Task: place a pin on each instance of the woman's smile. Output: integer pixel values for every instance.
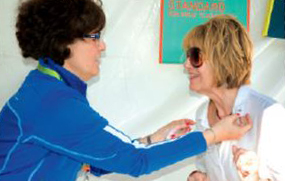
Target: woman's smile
(193, 76)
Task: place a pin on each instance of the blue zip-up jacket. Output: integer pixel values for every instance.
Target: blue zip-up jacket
(48, 130)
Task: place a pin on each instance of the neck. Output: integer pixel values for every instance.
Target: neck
(222, 101)
(71, 69)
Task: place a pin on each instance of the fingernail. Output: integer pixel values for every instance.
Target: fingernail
(187, 123)
(173, 136)
(238, 114)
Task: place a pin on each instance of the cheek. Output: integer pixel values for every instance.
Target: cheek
(92, 54)
(209, 81)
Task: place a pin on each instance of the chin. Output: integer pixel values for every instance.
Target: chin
(90, 76)
(95, 72)
(193, 88)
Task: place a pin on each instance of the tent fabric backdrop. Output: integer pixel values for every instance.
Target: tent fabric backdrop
(134, 92)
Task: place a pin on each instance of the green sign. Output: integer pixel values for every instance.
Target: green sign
(275, 20)
(180, 16)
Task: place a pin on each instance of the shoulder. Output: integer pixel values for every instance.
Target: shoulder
(259, 99)
(264, 106)
(49, 89)
(46, 95)
(253, 99)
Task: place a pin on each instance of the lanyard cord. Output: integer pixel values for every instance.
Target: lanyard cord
(49, 71)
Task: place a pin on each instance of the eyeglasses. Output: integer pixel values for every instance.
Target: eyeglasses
(95, 36)
(194, 56)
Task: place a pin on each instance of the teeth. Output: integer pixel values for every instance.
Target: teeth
(193, 76)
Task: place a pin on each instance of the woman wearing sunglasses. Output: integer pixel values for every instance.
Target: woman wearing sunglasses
(48, 131)
(219, 60)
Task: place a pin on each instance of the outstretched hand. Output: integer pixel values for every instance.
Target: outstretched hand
(232, 127)
(229, 128)
(173, 130)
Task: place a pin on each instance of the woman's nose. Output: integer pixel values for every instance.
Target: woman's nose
(187, 64)
(102, 45)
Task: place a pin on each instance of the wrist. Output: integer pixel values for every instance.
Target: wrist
(210, 136)
(146, 140)
(214, 132)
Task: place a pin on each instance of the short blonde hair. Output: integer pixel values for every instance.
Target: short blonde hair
(226, 46)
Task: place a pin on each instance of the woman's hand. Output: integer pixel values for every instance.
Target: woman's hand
(229, 128)
(172, 130)
(198, 176)
(246, 163)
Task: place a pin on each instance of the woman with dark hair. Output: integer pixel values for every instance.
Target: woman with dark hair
(48, 130)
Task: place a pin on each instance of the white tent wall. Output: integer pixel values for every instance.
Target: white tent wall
(134, 92)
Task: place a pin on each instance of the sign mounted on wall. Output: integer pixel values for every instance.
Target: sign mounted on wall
(275, 19)
(179, 16)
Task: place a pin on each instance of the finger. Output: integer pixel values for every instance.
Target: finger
(173, 136)
(232, 118)
(245, 120)
(236, 119)
(234, 149)
(248, 119)
(182, 122)
(179, 128)
(182, 127)
(236, 154)
(235, 157)
(182, 132)
(189, 122)
(185, 120)
(187, 129)
(177, 131)
(248, 125)
(245, 174)
(241, 121)
(237, 122)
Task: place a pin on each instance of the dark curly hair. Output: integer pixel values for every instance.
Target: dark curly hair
(45, 28)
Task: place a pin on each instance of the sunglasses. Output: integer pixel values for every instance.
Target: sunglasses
(194, 56)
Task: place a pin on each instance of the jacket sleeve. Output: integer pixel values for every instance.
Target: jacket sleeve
(74, 129)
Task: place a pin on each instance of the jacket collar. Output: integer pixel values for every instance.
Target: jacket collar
(69, 78)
